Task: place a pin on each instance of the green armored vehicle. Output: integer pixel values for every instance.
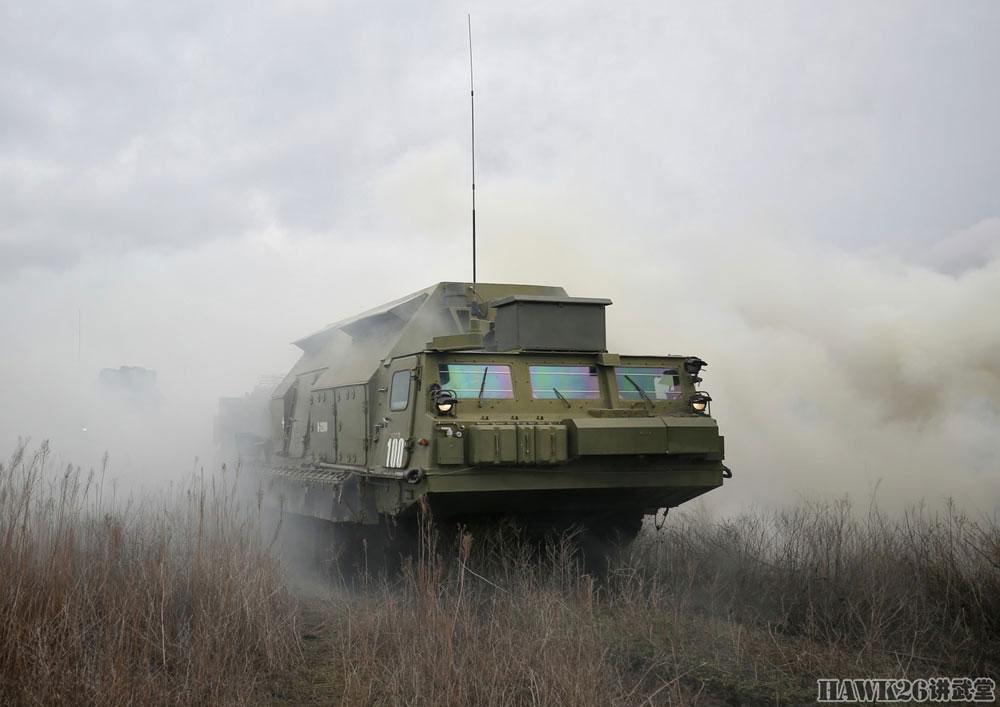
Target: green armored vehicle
(487, 401)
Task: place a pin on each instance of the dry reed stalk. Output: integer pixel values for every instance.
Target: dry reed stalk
(161, 600)
(747, 610)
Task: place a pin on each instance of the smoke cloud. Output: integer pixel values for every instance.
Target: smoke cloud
(803, 196)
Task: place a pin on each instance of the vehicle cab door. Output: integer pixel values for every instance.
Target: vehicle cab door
(395, 407)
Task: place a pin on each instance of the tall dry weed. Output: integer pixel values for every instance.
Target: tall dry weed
(746, 610)
(159, 600)
(923, 585)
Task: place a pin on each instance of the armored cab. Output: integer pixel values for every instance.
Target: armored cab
(488, 400)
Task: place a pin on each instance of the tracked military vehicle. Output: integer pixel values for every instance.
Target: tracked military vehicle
(485, 401)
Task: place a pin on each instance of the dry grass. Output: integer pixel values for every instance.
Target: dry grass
(167, 600)
(923, 585)
(746, 611)
(179, 599)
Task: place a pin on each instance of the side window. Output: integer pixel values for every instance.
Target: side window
(657, 383)
(399, 391)
(468, 380)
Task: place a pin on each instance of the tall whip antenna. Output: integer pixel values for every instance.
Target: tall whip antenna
(472, 99)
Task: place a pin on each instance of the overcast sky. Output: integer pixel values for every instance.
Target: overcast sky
(805, 193)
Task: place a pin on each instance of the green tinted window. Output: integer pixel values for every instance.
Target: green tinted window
(467, 379)
(658, 383)
(572, 382)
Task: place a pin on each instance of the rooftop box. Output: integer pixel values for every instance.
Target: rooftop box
(541, 323)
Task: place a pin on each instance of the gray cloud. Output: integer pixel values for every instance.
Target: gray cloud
(129, 127)
(967, 248)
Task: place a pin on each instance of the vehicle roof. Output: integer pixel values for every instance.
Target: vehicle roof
(350, 350)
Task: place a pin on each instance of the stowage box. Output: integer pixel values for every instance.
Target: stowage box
(539, 323)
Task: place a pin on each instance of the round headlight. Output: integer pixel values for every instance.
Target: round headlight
(444, 401)
(699, 402)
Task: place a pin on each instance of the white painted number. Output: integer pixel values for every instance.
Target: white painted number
(395, 452)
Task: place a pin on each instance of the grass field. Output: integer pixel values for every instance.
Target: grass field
(168, 599)
(180, 598)
(750, 610)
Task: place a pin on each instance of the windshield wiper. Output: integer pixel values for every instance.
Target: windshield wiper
(482, 386)
(561, 397)
(641, 391)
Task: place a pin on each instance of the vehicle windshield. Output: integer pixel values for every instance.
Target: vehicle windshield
(658, 383)
(572, 382)
(468, 379)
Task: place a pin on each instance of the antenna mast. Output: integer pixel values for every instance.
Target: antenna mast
(472, 99)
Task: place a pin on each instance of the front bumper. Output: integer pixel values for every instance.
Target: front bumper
(622, 484)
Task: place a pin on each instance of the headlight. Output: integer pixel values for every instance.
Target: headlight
(444, 401)
(699, 402)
